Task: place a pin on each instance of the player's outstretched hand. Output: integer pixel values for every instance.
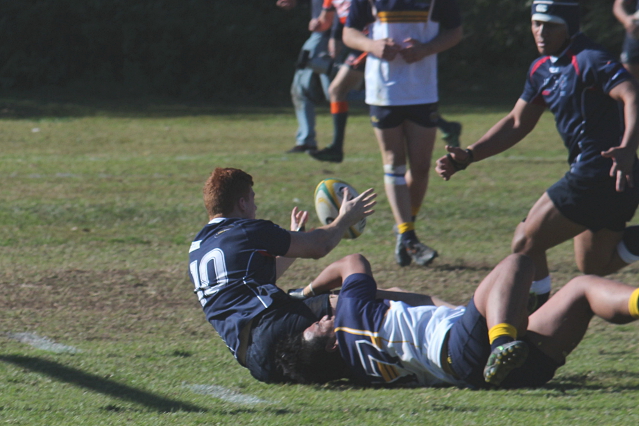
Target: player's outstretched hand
(298, 219)
(456, 159)
(623, 159)
(355, 209)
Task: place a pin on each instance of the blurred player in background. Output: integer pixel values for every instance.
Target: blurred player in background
(491, 342)
(402, 39)
(308, 88)
(349, 76)
(627, 12)
(595, 104)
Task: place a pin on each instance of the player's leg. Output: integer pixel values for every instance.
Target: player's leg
(420, 142)
(345, 81)
(304, 112)
(392, 148)
(559, 325)
(303, 102)
(597, 252)
(501, 298)
(544, 228)
(334, 274)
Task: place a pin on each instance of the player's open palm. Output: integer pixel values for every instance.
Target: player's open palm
(623, 160)
(355, 209)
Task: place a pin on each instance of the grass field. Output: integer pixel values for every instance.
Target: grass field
(99, 324)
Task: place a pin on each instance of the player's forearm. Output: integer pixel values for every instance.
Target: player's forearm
(444, 41)
(508, 131)
(356, 39)
(628, 93)
(498, 139)
(619, 10)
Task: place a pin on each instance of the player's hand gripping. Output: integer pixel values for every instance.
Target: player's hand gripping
(414, 50)
(385, 48)
(456, 159)
(355, 209)
(623, 159)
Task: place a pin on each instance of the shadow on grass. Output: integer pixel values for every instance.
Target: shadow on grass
(603, 381)
(98, 384)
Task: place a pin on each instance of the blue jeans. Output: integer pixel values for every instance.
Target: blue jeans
(308, 89)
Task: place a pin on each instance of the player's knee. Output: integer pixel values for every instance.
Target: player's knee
(394, 175)
(357, 264)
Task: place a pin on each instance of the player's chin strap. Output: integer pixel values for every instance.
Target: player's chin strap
(461, 166)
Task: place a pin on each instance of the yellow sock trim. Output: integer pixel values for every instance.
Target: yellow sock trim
(633, 304)
(502, 329)
(405, 227)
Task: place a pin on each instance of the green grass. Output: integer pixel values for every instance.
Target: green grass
(97, 209)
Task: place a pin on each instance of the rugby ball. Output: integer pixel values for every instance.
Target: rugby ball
(328, 200)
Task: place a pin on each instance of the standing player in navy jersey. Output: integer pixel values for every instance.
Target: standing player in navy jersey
(595, 103)
(491, 342)
(402, 41)
(235, 260)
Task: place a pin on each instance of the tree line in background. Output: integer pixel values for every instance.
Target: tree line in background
(228, 50)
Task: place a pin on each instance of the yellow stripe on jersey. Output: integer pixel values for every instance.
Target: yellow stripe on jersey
(389, 372)
(374, 336)
(390, 17)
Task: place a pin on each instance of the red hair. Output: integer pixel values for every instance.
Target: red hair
(224, 188)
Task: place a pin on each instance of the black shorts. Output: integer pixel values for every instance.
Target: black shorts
(469, 348)
(630, 51)
(388, 117)
(594, 202)
(282, 319)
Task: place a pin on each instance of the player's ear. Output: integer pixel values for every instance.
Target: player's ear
(331, 345)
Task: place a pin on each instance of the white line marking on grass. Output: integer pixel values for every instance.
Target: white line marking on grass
(226, 394)
(43, 343)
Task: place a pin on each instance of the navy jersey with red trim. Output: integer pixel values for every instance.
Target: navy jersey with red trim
(358, 318)
(446, 12)
(232, 266)
(575, 87)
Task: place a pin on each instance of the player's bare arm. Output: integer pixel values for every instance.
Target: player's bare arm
(319, 242)
(323, 22)
(385, 48)
(626, 19)
(623, 156)
(503, 135)
(414, 50)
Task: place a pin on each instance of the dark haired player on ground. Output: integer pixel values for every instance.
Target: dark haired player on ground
(595, 103)
(235, 260)
(491, 342)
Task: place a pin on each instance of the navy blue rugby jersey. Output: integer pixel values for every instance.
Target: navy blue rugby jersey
(232, 266)
(575, 87)
(446, 12)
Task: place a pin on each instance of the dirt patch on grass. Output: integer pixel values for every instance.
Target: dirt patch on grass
(101, 304)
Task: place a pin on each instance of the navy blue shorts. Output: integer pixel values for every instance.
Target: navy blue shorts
(594, 202)
(469, 348)
(630, 51)
(283, 318)
(388, 117)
